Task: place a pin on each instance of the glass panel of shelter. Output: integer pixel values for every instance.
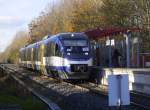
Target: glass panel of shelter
(101, 53)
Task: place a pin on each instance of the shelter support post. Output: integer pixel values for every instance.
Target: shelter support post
(138, 49)
(110, 55)
(128, 36)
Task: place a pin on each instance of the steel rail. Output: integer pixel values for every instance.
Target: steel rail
(48, 102)
(101, 92)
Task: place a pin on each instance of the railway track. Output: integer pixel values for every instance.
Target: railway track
(66, 95)
(49, 103)
(136, 103)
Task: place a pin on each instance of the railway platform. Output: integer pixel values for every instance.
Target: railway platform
(138, 77)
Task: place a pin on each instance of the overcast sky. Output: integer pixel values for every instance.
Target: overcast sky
(15, 15)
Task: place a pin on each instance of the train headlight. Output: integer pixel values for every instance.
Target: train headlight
(68, 53)
(86, 53)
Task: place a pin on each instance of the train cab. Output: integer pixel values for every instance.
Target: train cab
(70, 55)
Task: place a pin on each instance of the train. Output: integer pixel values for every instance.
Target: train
(64, 55)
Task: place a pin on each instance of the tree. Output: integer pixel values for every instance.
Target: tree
(86, 15)
(117, 12)
(11, 53)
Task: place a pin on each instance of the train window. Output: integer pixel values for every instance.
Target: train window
(45, 50)
(24, 55)
(51, 49)
(21, 55)
(48, 49)
(34, 54)
(29, 54)
(57, 50)
(39, 53)
(75, 42)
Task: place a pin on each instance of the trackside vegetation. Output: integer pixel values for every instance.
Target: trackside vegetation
(81, 15)
(10, 95)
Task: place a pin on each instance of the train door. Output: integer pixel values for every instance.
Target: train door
(43, 59)
(59, 55)
(36, 58)
(59, 61)
(32, 59)
(38, 53)
(26, 58)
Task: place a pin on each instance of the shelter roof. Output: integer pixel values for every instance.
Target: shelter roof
(110, 31)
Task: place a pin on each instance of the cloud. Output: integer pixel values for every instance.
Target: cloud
(8, 18)
(8, 27)
(15, 15)
(7, 35)
(11, 21)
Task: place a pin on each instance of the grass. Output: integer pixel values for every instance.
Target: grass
(25, 104)
(11, 95)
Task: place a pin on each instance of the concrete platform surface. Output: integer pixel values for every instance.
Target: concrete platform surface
(139, 79)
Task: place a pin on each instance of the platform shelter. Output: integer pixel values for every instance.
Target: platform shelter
(111, 41)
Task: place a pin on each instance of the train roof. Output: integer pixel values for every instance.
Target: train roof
(67, 36)
(62, 36)
(56, 37)
(71, 35)
(31, 45)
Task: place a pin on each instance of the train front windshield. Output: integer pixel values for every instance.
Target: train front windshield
(76, 47)
(75, 43)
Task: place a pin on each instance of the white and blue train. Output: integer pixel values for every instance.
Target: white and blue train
(65, 55)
